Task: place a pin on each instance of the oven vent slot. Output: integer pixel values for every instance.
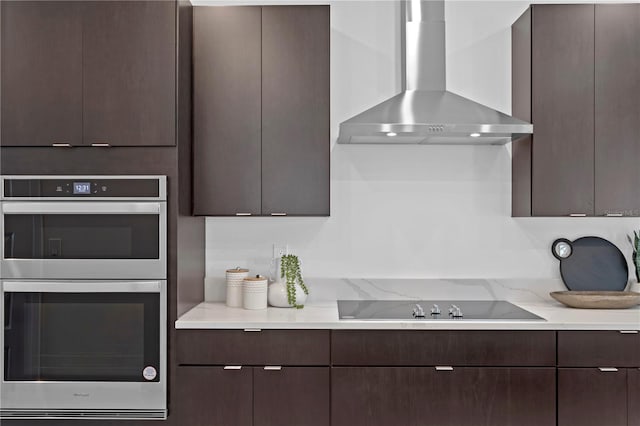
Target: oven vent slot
(83, 414)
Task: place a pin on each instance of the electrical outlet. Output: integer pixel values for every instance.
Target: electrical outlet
(280, 250)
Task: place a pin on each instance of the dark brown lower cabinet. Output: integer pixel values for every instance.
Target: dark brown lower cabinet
(213, 396)
(422, 396)
(598, 348)
(291, 396)
(252, 396)
(633, 396)
(592, 397)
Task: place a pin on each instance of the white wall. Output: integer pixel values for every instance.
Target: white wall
(413, 211)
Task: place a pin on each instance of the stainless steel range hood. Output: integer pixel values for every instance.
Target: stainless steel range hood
(425, 112)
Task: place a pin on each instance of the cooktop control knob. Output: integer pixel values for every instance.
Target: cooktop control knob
(456, 312)
(452, 308)
(418, 312)
(435, 309)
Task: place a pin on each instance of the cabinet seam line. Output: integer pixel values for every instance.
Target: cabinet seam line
(261, 110)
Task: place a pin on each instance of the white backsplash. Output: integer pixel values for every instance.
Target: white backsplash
(331, 289)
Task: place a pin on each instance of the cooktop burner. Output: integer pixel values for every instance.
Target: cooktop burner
(433, 310)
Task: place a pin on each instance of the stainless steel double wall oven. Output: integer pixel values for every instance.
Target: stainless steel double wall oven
(83, 276)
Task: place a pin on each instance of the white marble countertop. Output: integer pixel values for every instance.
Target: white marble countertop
(324, 315)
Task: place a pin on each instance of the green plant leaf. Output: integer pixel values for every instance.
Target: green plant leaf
(290, 271)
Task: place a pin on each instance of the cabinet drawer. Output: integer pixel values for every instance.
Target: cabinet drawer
(466, 396)
(468, 347)
(266, 347)
(609, 348)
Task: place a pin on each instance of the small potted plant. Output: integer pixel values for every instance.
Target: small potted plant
(290, 290)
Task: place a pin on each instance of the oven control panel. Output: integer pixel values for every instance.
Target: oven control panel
(84, 187)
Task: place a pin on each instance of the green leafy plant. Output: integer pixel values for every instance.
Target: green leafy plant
(635, 243)
(290, 270)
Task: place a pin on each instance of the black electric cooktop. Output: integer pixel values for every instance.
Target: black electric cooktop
(433, 310)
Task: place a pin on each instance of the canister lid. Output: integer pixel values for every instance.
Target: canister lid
(256, 278)
(238, 270)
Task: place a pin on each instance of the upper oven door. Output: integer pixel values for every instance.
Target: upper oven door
(83, 240)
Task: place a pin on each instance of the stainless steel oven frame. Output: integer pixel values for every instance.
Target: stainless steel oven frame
(86, 268)
(88, 400)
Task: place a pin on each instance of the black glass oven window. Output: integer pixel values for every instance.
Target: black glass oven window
(81, 236)
(97, 337)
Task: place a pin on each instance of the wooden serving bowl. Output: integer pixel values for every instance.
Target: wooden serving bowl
(597, 299)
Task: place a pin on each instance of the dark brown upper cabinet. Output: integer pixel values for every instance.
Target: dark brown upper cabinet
(553, 55)
(227, 110)
(617, 109)
(86, 73)
(295, 110)
(261, 111)
(41, 73)
(573, 69)
(129, 73)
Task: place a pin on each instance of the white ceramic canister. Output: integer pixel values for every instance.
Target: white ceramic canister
(254, 292)
(235, 278)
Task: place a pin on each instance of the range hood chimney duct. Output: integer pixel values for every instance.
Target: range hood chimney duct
(423, 32)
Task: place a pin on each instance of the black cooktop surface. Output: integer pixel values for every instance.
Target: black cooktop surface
(433, 310)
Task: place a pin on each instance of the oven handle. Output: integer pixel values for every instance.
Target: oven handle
(82, 287)
(81, 208)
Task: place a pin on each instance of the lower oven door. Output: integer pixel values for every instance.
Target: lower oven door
(84, 349)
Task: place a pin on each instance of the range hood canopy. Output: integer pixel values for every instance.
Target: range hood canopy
(425, 112)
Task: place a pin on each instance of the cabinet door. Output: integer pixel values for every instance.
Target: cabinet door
(226, 108)
(129, 72)
(633, 396)
(495, 396)
(617, 109)
(591, 397)
(419, 396)
(295, 110)
(41, 73)
(562, 110)
(381, 396)
(521, 108)
(212, 396)
(291, 396)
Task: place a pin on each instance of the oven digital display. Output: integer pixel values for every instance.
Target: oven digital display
(82, 188)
